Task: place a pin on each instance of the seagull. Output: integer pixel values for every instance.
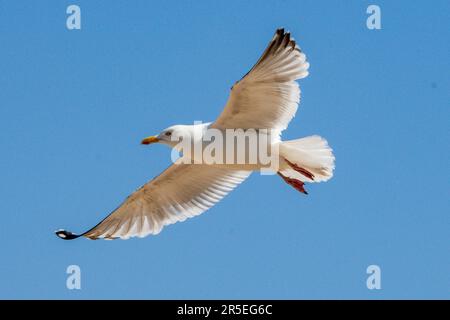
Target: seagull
(266, 97)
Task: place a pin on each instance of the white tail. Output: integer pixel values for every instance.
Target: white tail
(308, 159)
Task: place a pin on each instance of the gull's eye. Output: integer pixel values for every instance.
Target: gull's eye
(168, 133)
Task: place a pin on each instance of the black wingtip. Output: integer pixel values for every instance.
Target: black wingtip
(66, 235)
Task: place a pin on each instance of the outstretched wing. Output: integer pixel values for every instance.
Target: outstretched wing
(182, 191)
(267, 96)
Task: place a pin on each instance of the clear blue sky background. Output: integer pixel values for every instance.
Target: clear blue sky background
(75, 104)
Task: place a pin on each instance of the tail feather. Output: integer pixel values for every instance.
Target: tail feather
(308, 159)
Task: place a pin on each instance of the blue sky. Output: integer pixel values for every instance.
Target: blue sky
(75, 104)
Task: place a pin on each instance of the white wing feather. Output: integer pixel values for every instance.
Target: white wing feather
(267, 96)
(182, 191)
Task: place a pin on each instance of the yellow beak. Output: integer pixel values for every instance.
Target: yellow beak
(150, 140)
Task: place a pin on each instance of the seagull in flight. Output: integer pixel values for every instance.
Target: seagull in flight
(267, 97)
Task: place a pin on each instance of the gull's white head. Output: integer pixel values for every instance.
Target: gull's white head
(171, 136)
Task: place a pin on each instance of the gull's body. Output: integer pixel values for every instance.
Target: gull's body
(266, 97)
